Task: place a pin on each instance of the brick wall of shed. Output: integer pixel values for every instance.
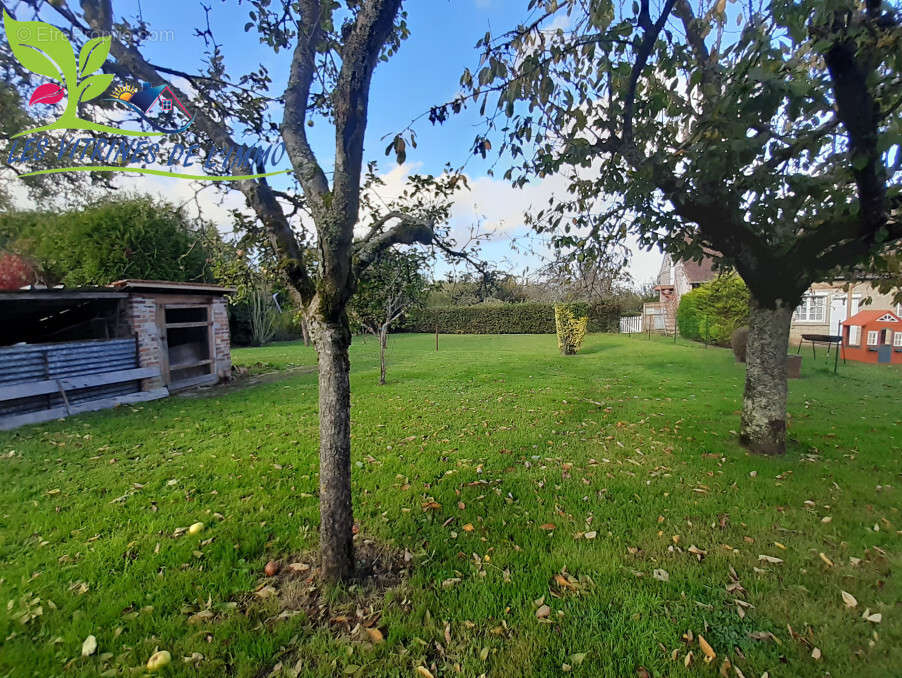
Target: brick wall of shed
(221, 340)
(141, 318)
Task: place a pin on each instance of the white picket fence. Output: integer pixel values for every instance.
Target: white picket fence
(631, 324)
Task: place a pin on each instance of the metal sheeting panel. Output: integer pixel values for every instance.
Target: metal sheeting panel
(38, 362)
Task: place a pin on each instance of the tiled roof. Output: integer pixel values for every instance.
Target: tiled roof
(699, 271)
(869, 316)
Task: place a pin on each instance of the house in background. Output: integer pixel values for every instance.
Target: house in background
(675, 278)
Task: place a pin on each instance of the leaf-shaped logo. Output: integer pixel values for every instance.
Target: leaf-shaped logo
(41, 48)
(48, 93)
(92, 55)
(94, 86)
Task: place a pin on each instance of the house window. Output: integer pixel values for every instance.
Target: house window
(887, 337)
(854, 335)
(897, 340)
(812, 309)
(872, 338)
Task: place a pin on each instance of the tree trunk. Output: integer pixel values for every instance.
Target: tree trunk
(336, 546)
(383, 340)
(764, 402)
(305, 331)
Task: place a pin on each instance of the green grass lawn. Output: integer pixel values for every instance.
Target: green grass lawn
(619, 467)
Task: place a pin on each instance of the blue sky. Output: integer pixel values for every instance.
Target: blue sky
(425, 72)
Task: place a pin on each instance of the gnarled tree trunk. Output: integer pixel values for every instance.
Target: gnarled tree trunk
(764, 402)
(332, 340)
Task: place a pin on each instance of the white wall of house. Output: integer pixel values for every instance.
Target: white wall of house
(675, 275)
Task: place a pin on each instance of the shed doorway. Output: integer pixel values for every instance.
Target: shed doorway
(188, 341)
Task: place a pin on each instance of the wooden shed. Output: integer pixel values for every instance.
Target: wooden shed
(873, 337)
(64, 351)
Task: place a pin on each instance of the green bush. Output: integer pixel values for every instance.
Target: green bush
(509, 318)
(112, 239)
(712, 311)
(571, 328)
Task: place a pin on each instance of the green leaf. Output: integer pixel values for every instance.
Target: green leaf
(93, 54)
(41, 48)
(94, 86)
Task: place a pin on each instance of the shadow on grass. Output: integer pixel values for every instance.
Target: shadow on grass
(595, 348)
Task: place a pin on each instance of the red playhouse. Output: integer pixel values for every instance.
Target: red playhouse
(873, 337)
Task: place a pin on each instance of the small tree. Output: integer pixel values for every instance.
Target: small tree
(391, 286)
(570, 330)
(262, 316)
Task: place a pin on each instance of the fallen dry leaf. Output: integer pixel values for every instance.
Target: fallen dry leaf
(543, 612)
(375, 635)
(158, 660)
(564, 583)
(89, 647)
(423, 671)
(661, 575)
(849, 599)
(816, 653)
(875, 618)
(770, 559)
(265, 592)
(200, 617)
(547, 526)
(710, 654)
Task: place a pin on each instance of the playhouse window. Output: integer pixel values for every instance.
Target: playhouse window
(812, 309)
(887, 337)
(166, 104)
(897, 340)
(872, 338)
(854, 335)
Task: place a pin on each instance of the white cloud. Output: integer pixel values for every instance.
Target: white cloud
(499, 209)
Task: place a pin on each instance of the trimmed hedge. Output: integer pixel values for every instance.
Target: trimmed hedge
(712, 311)
(509, 319)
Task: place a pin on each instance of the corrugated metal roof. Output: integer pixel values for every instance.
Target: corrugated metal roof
(170, 286)
(62, 294)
